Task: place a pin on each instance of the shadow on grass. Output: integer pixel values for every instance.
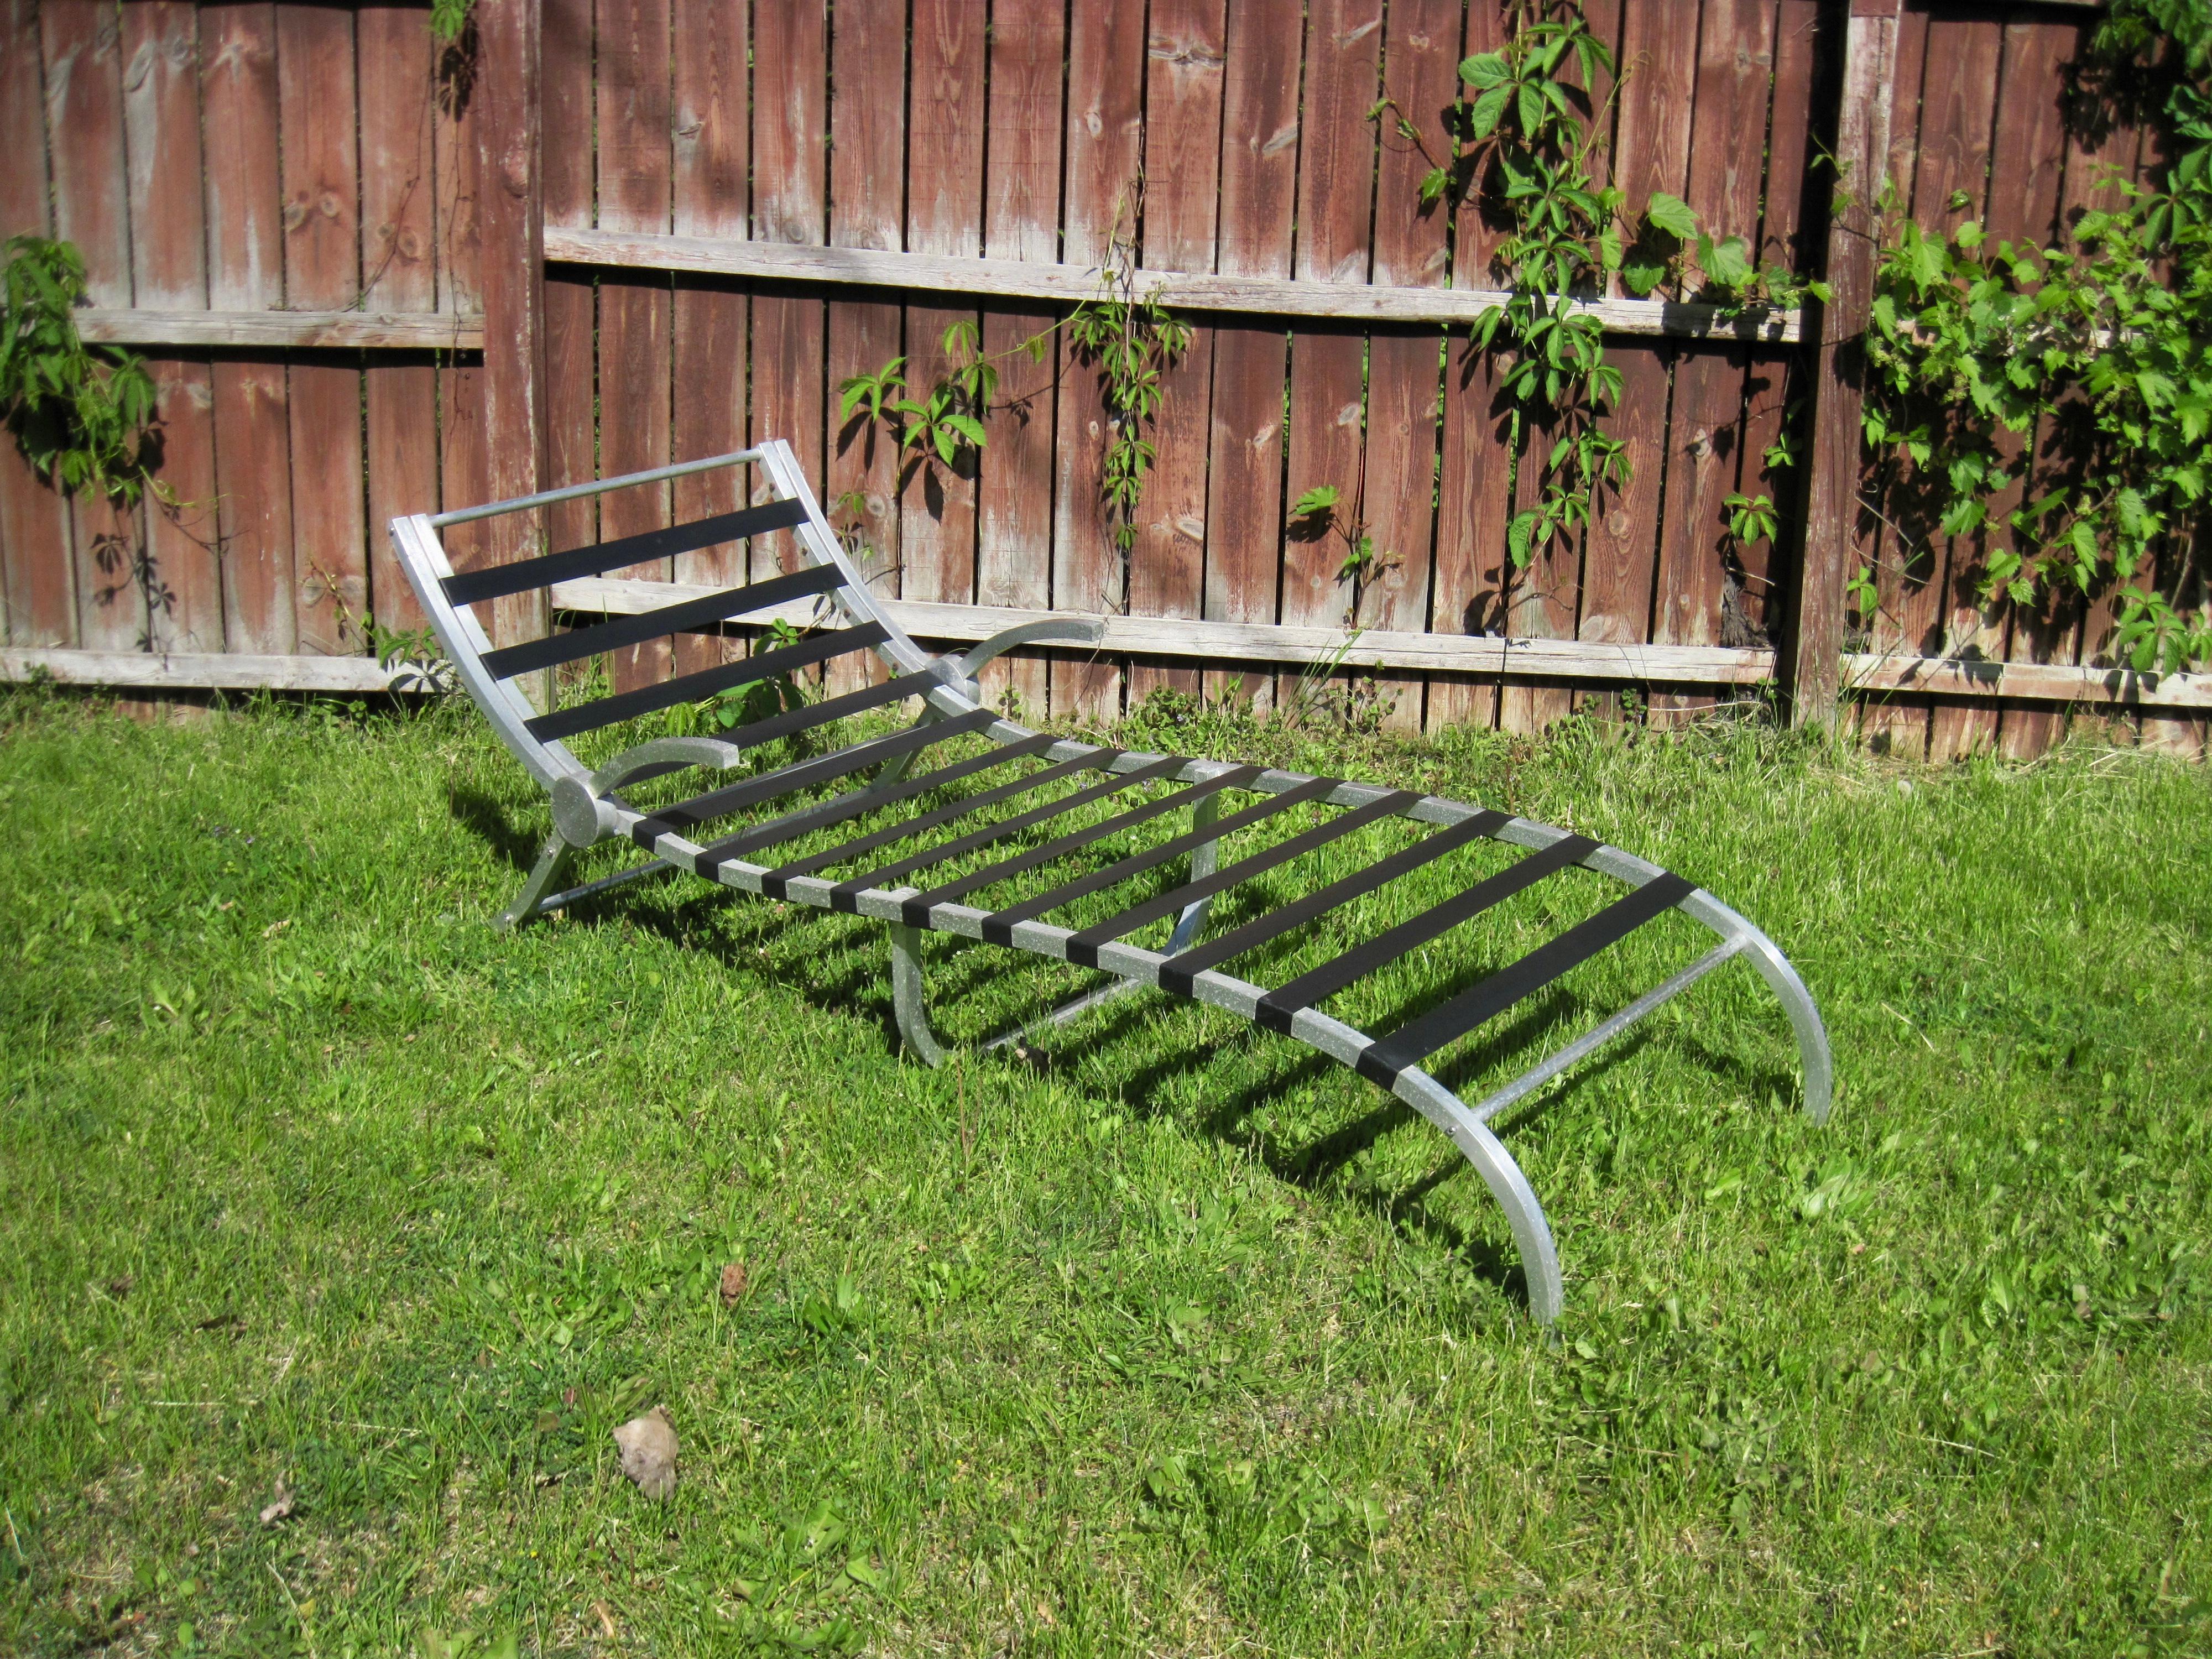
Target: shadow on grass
(837, 967)
(492, 821)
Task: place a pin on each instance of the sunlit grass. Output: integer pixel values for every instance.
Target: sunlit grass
(1172, 1340)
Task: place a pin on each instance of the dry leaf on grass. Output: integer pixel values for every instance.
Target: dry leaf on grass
(278, 1508)
(733, 1284)
(649, 1452)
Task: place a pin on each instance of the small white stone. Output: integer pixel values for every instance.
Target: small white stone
(649, 1452)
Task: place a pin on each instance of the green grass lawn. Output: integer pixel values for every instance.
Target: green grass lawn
(316, 1191)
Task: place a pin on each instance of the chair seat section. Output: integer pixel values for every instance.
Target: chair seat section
(956, 831)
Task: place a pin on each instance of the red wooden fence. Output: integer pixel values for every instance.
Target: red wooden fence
(309, 157)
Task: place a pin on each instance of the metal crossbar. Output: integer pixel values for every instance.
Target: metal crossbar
(951, 828)
(800, 774)
(848, 892)
(774, 882)
(999, 929)
(1084, 946)
(916, 909)
(1381, 1063)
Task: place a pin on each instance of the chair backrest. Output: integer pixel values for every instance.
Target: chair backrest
(536, 736)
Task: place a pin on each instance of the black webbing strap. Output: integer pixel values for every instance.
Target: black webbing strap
(915, 911)
(800, 775)
(556, 648)
(496, 581)
(845, 894)
(1177, 973)
(854, 802)
(1381, 1063)
(692, 688)
(808, 716)
(1000, 928)
(1083, 947)
(1276, 1008)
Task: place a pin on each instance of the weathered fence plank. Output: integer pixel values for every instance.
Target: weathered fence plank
(1420, 59)
(1104, 154)
(84, 99)
(944, 216)
(791, 52)
(319, 121)
(1816, 641)
(1021, 222)
(713, 155)
(1334, 244)
(1183, 60)
(1260, 77)
(566, 98)
(399, 258)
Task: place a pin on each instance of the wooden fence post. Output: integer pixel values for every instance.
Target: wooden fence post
(1813, 649)
(513, 227)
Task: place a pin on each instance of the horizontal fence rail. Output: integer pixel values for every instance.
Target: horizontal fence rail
(1068, 285)
(428, 330)
(1864, 672)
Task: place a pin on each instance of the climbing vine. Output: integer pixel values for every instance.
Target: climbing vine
(83, 416)
(450, 20)
(1524, 137)
(1126, 336)
(2079, 373)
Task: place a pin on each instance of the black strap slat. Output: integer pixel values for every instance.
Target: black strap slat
(1178, 974)
(999, 928)
(1083, 947)
(854, 802)
(800, 775)
(1276, 1008)
(845, 894)
(692, 688)
(916, 909)
(558, 648)
(1415, 1042)
(775, 882)
(496, 581)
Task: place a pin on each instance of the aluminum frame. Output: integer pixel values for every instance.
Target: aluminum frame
(588, 808)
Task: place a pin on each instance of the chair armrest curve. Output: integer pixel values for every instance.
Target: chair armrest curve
(1075, 630)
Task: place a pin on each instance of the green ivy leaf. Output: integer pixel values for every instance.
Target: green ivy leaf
(1485, 70)
(1482, 118)
(1672, 215)
(1517, 535)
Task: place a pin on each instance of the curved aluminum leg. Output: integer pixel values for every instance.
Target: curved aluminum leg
(1813, 1059)
(1205, 860)
(1532, 1234)
(545, 875)
(909, 1000)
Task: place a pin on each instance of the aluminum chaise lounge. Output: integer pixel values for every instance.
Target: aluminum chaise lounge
(1010, 782)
